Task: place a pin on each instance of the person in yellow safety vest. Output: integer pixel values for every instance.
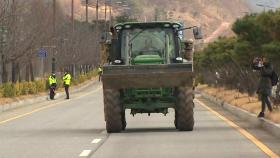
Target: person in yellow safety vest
(67, 82)
(52, 85)
(100, 71)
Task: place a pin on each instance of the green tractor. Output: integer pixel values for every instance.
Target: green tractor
(147, 72)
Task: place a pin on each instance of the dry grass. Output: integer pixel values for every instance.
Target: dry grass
(19, 98)
(242, 100)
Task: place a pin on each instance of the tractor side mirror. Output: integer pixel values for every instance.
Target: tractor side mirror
(114, 45)
(114, 50)
(197, 33)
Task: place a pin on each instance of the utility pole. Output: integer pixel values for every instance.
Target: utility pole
(73, 32)
(105, 12)
(105, 21)
(72, 15)
(96, 18)
(110, 12)
(14, 43)
(96, 27)
(2, 34)
(2, 31)
(3, 42)
(53, 61)
(86, 11)
(54, 16)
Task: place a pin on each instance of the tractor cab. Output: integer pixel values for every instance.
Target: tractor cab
(147, 43)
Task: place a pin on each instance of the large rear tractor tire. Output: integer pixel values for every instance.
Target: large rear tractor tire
(113, 111)
(184, 115)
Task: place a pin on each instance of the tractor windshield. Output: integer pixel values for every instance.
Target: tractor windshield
(148, 42)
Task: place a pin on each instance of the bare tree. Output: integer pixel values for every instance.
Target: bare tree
(30, 28)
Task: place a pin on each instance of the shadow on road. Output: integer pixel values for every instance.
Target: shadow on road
(150, 130)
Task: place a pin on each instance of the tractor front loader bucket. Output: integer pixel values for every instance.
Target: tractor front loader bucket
(147, 76)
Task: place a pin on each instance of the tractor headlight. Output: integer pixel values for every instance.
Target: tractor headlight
(176, 26)
(167, 25)
(118, 28)
(179, 59)
(127, 26)
(117, 61)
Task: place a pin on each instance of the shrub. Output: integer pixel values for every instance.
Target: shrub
(18, 87)
(82, 78)
(75, 81)
(32, 88)
(93, 74)
(40, 85)
(1, 91)
(9, 90)
(24, 88)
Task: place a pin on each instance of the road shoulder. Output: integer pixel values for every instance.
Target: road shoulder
(264, 136)
(34, 104)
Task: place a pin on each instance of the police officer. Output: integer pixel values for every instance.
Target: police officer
(100, 71)
(52, 85)
(66, 83)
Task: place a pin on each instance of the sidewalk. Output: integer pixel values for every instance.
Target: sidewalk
(240, 100)
(22, 101)
(243, 106)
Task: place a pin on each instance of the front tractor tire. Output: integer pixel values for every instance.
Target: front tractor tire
(113, 111)
(184, 115)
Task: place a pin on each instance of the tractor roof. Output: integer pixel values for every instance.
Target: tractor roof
(163, 24)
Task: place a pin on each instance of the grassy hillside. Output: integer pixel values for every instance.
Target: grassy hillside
(209, 14)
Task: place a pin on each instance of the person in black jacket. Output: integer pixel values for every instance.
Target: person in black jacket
(265, 85)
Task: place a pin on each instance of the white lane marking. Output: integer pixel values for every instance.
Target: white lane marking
(85, 153)
(95, 141)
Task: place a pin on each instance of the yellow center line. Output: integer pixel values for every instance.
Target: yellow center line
(249, 136)
(43, 108)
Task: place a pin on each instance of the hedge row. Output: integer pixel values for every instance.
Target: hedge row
(8, 90)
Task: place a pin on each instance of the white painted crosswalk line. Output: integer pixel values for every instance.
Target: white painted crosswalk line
(95, 141)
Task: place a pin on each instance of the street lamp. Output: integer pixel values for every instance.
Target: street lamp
(96, 27)
(110, 12)
(87, 11)
(53, 61)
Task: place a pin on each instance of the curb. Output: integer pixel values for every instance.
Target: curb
(39, 99)
(262, 123)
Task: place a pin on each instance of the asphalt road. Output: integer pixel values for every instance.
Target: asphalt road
(76, 128)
